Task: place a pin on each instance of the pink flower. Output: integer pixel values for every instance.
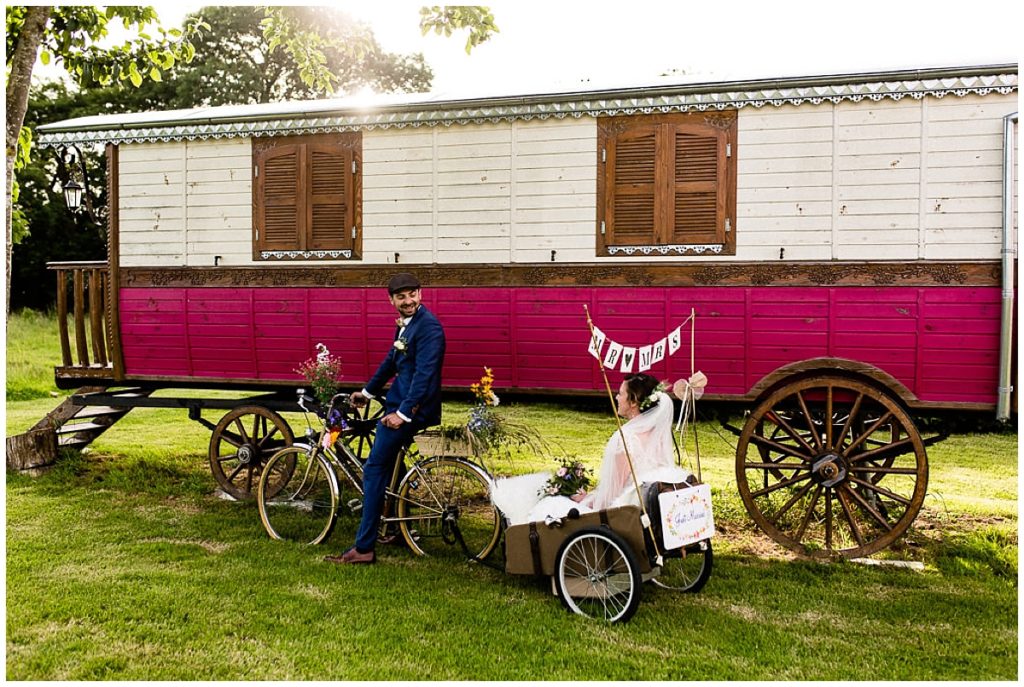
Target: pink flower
(562, 471)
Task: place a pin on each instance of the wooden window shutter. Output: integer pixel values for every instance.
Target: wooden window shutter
(330, 213)
(666, 184)
(306, 196)
(629, 208)
(280, 206)
(697, 207)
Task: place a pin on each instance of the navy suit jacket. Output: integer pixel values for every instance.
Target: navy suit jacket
(416, 392)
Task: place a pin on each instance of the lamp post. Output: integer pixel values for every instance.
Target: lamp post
(73, 195)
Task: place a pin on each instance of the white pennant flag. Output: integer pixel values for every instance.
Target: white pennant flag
(675, 340)
(628, 356)
(596, 343)
(611, 357)
(645, 358)
(659, 352)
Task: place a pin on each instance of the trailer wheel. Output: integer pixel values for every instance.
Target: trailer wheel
(597, 575)
(241, 444)
(830, 466)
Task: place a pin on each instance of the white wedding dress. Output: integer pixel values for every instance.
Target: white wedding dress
(649, 439)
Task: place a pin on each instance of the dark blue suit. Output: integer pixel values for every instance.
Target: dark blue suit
(416, 395)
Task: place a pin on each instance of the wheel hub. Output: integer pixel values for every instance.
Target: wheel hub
(246, 454)
(829, 469)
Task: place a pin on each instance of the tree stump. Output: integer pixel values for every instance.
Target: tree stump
(35, 449)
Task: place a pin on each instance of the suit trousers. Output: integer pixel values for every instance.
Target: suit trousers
(387, 443)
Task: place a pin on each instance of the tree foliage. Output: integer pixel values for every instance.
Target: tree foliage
(448, 19)
(70, 35)
(239, 65)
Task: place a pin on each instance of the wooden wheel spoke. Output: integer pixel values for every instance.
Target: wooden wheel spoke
(849, 420)
(809, 514)
(868, 508)
(881, 490)
(272, 432)
(234, 473)
(248, 479)
(796, 497)
(828, 519)
(868, 432)
(810, 420)
(775, 466)
(241, 430)
(850, 517)
(828, 418)
(779, 485)
(224, 459)
(232, 439)
(884, 470)
(780, 448)
(886, 452)
(781, 422)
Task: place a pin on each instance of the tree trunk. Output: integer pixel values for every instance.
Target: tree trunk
(21, 63)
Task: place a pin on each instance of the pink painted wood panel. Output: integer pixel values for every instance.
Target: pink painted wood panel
(942, 342)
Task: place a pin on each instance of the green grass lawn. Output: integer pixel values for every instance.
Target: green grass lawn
(124, 563)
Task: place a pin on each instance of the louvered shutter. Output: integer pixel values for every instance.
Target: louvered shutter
(698, 199)
(280, 211)
(331, 217)
(630, 200)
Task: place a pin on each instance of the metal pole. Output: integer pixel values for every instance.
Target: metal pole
(1009, 252)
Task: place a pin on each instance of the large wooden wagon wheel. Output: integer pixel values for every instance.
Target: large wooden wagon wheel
(361, 441)
(241, 444)
(831, 466)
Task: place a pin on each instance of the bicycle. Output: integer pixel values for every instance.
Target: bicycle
(441, 504)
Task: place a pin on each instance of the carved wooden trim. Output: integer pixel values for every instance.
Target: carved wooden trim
(114, 262)
(923, 273)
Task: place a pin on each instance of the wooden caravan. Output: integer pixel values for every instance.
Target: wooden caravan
(856, 226)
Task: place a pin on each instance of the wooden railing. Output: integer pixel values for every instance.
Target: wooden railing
(89, 284)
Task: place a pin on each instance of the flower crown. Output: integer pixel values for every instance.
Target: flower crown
(652, 398)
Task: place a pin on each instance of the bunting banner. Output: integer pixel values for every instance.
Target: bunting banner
(616, 355)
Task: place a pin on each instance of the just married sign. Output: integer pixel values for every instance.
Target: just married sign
(686, 516)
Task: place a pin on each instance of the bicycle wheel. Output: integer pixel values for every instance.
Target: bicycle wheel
(298, 496)
(445, 510)
(689, 573)
(597, 575)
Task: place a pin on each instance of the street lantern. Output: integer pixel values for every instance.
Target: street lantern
(73, 195)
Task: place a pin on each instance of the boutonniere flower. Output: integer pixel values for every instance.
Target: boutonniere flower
(401, 345)
(400, 322)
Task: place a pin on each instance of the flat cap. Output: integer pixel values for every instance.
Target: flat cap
(403, 281)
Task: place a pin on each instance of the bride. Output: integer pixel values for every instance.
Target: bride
(648, 436)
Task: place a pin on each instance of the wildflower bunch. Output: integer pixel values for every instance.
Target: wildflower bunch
(323, 372)
(486, 430)
(482, 390)
(570, 479)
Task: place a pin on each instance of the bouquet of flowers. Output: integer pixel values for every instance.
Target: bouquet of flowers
(323, 373)
(486, 430)
(570, 479)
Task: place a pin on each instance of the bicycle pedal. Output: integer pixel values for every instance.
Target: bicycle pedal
(355, 505)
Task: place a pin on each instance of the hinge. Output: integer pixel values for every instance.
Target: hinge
(604, 154)
(353, 233)
(353, 166)
(257, 234)
(602, 228)
(728, 149)
(257, 170)
(728, 225)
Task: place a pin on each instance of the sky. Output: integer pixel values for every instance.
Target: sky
(584, 45)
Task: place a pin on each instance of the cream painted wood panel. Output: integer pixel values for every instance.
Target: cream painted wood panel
(887, 180)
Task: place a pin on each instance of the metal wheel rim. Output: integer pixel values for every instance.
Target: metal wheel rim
(596, 577)
(431, 501)
(289, 503)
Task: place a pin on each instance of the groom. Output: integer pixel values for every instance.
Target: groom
(412, 403)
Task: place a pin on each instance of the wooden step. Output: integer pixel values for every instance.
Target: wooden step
(78, 428)
(98, 411)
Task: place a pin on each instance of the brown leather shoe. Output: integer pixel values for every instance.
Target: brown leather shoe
(353, 557)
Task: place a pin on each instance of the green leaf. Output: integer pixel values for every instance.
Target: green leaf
(134, 75)
(44, 57)
(154, 74)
